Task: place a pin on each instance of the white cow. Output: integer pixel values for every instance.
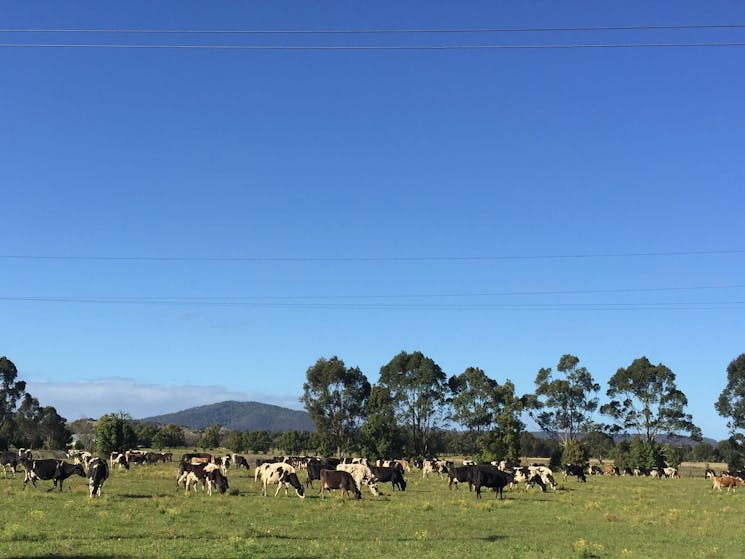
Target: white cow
(362, 475)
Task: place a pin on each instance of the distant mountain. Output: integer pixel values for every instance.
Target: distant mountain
(238, 416)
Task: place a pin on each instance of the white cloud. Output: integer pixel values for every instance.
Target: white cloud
(95, 398)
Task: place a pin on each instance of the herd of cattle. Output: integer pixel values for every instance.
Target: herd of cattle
(349, 476)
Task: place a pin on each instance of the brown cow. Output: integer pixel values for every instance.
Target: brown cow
(339, 479)
(726, 481)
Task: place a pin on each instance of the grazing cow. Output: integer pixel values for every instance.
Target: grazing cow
(657, 473)
(489, 476)
(671, 472)
(362, 476)
(385, 474)
(339, 479)
(206, 474)
(710, 474)
(119, 459)
(726, 481)
(56, 470)
(98, 472)
(461, 474)
(545, 473)
(641, 471)
(611, 471)
(594, 470)
(529, 475)
(9, 460)
(314, 467)
(241, 461)
(575, 470)
(439, 467)
(281, 474)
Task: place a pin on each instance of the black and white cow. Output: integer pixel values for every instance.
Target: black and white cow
(56, 470)
(208, 474)
(575, 470)
(488, 476)
(385, 474)
(281, 474)
(239, 461)
(339, 479)
(461, 474)
(9, 460)
(98, 473)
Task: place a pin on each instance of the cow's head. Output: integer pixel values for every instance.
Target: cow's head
(78, 469)
(220, 481)
(372, 483)
(291, 479)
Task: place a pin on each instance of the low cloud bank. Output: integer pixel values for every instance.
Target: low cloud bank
(75, 400)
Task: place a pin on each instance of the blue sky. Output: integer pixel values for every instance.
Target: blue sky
(251, 211)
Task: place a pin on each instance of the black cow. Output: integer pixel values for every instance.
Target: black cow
(98, 472)
(575, 470)
(241, 461)
(337, 479)
(390, 473)
(56, 470)
(314, 467)
(461, 474)
(9, 460)
(488, 476)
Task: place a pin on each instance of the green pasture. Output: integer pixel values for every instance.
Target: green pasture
(140, 514)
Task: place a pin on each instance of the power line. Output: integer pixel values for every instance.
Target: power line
(683, 27)
(362, 259)
(461, 47)
(272, 298)
(596, 306)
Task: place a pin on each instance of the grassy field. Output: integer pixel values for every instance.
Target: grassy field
(140, 514)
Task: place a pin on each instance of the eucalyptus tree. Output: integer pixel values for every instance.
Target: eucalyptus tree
(381, 435)
(11, 391)
(490, 411)
(419, 391)
(731, 405)
(646, 401)
(565, 405)
(335, 396)
(731, 402)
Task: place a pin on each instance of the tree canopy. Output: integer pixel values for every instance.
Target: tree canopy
(335, 397)
(418, 388)
(565, 404)
(645, 400)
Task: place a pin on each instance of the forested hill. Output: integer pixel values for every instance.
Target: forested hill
(239, 416)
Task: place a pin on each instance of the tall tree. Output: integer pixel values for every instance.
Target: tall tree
(731, 403)
(490, 412)
(645, 400)
(565, 404)
(381, 435)
(419, 390)
(115, 432)
(211, 437)
(473, 400)
(335, 397)
(11, 391)
(53, 429)
(169, 436)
